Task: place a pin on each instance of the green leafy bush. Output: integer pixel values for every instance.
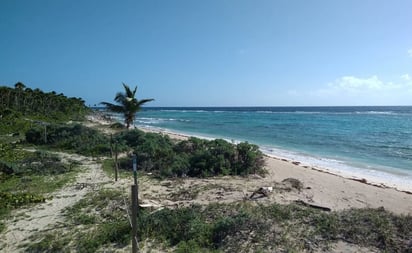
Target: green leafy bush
(10, 153)
(19, 199)
(193, 157)
(76, 138)
(35, 163)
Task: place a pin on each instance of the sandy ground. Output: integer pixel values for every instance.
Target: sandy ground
(46, 216)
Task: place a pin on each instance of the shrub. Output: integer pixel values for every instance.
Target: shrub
(131, 138)
(35, 136)
(19, 199)
(77, 138)
(193, 157)
(249, 158)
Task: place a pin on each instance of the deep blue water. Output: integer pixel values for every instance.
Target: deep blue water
(369, 140)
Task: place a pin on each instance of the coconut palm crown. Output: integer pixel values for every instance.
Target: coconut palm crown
(127, 104)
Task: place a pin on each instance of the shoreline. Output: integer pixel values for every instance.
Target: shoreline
(350, 175)
(323, 187)
(320, 186)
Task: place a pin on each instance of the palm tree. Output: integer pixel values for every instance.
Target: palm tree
(126, 104)
(20, 88)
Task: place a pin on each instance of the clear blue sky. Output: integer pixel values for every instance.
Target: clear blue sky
(214, 52)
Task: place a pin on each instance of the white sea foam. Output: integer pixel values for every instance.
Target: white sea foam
(144, 120)
(330, 113)
(379, 175)
(376, 112)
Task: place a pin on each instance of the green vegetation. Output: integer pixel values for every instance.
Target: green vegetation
(100, 220)
(156, 153)
(26, 177)
(73, 138)
(22, 107)
(194, 157)
(236, 227)
(127, 104)
(96, 221)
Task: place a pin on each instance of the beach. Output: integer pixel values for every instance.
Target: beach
(319, 187)
(357, 142)
(288, 185)
(325, 187)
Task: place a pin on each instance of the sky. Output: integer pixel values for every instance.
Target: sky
(214, 52)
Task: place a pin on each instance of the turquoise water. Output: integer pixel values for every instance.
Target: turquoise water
(366, 141)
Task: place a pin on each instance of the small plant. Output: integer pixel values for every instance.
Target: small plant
(117, 232)
(51, 242)
(19, 199)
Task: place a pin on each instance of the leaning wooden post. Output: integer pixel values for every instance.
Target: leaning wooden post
(111, 145)
(135, 178)
(134, 218)
(45, 133)
(135, 169)
(135, 205)
(116, 163)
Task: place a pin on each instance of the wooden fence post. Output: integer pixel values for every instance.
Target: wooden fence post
(111, 145)
(134, 218)
(116, 163)
(135, 177)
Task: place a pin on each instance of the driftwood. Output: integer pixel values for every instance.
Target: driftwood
(301, 202)
(81, 186)
(261, 192)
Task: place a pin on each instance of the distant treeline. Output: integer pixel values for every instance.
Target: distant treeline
(21, 104)
(29, 102)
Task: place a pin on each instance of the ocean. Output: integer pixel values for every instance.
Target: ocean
(362, 142)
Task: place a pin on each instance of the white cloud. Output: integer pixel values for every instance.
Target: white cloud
(410, 52)
(406, 77)
(356, 84)
(352, 90)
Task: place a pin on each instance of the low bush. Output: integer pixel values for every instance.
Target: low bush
(35, 163)
(12, 121)
(13, 200)
(193, 157)
(75, 138)
(243, 227)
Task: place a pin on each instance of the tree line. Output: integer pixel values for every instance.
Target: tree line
(24, 101)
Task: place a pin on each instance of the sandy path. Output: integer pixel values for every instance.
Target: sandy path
(46, 216)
